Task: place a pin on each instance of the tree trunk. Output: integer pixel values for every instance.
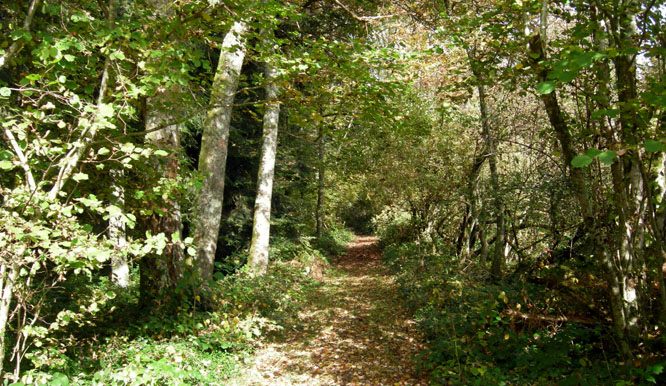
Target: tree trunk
(8, 275)
(160, 274)
(116, 233)
(498, 258)
(483, 255)
(214, 148)
(320, 183)
(658, 220)
(577, 180)
(472, 207)
(258, 260)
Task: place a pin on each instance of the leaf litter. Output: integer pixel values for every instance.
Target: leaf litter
(354, 330)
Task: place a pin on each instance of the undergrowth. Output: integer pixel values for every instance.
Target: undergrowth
(124, 346)
(481, 333)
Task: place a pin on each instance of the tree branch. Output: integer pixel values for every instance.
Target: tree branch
(71, 160)
(18, 44)
(21, 156)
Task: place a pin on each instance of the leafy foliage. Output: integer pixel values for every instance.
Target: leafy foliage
(480, 333)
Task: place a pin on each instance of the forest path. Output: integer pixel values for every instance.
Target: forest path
(353, 331)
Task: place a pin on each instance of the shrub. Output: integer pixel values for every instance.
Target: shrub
(483, 333)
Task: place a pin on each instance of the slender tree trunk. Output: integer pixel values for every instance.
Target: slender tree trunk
(577, 181)
(321, 174)
(116, 233)
(29, 178)
(498, 258)
(472, 207)
(117, 226)
(483, 255)
(8, 275)
(658, 220)
(214, 148)
(258, 260)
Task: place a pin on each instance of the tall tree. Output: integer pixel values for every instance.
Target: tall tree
(258, 259)
(160, 273)
(214, 147)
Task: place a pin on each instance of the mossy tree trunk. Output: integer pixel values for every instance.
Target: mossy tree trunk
(258, 260)
(214, 148)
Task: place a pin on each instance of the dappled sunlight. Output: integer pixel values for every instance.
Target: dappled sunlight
(354, 331)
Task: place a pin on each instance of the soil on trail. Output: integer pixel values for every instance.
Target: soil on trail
(354, 331)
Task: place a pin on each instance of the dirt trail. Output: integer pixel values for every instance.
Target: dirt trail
(354, 331)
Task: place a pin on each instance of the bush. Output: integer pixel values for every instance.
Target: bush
(393, 227)
(334, 241)
(481, 333)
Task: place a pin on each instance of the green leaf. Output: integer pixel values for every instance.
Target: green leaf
(606, 113)
(5, 92)
(79, 177)
(114, 211)
(566, 76)
(127, 147)
(6, 165)
(652, 146)
(103, 151)
(105, 110)
(545, 87)
(161, 153)
(99, 255)
(562, 76)
(580, 161)
(583, 59)
(593, 152)
(608, 157)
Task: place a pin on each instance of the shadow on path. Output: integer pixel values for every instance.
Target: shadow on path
(354, 331)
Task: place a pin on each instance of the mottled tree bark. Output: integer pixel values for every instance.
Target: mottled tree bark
(8, 275)
(213, 156)
(258, 260)
(116, 233)
(321, 174)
